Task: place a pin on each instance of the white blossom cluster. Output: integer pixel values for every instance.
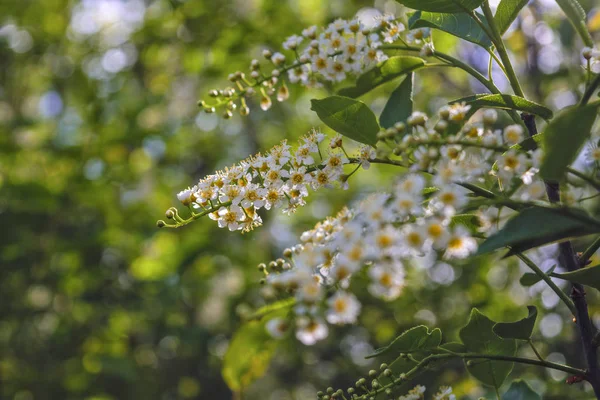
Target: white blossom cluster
(418, 393)
(279, 179)
(419, 218)
(331, 53)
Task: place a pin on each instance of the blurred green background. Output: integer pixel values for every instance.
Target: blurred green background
(99, 129)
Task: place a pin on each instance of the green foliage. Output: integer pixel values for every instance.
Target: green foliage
(461, 25)
(442, 6)
(521, 329)
(413, 340)
(506, 102)
(530, 278)
(400, 104)
(270, 308)
(520, 390)
(576, 15)
(536, 226)
(564, 137)
(348, 117)
(384, 72)
(589, 276)
(507, 12)
(248, 356)
(478, 337)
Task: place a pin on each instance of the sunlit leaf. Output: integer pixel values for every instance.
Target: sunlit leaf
(576, 15)
(506, 102)
(442, 6)
(348, 117)
(457, 24)
(507, 12)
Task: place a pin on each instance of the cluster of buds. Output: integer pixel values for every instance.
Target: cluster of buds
(387, 382)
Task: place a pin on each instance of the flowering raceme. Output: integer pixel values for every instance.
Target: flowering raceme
(332, 53)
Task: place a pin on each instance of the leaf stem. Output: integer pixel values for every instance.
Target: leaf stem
(589, 92)
(535, 350)
(588, 179)
(562, 295)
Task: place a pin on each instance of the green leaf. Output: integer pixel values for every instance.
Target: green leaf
(531, 143)
(506, 102)
(588, 276)
(469, 221)
(507, 12)
(530, 279)
(563, 138)
(415, 339)
(400, 104)
(455, 347)
(349, 117)
(521, 329)
(248, 356)
(443, 6)
(458, 24)
(520, 390)
(384, 72)
(576, 15)
(537, 226)
(478, 337)
(273, 307)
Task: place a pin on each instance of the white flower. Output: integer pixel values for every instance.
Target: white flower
(231, 217)
(451, 198)
(185, 196)
(310, 331)
(343, 308)
(303, 154)
(278, 328)
(436, 231)
(292, 42)
(513, 134)
(444, 393)
(460, 244)
(387, 280)
(392, 33)
(366, 153)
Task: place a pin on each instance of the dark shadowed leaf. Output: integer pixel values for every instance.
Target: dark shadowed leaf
(589, 276)
(478, 337)
(563, 138)
(457, 24)
(384, 72)
(348, 117)
(521, 329)
(530, 279)
(520, 390)
(415, 339)
(442, 6)
(400, 104)
(506, 102)
(507, 12)
(576, 15)
(536, 226)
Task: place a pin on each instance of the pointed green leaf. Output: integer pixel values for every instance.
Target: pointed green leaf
(537, 226)
(530, 279)
(248, 355)
(588, 276)
(506, 102)
(415, 339)
(400, 104)
(454, 347)
(563, 138)
(507, 12)
(576, 15)
(521, 329)
(349, 117)
(520, 390)
(457, 24)
(478, 337)
(384, 72)
(442, 6)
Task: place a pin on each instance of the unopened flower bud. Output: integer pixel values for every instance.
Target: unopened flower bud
(441, 126)
(587, 53)
(267, 54)
(160, 223)
(287, 253)
(210, 110)
(265, 103)
(170, 214)
(227, 114)
(213, 93)
(283, 93)
(244, 110)
(490, 116)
